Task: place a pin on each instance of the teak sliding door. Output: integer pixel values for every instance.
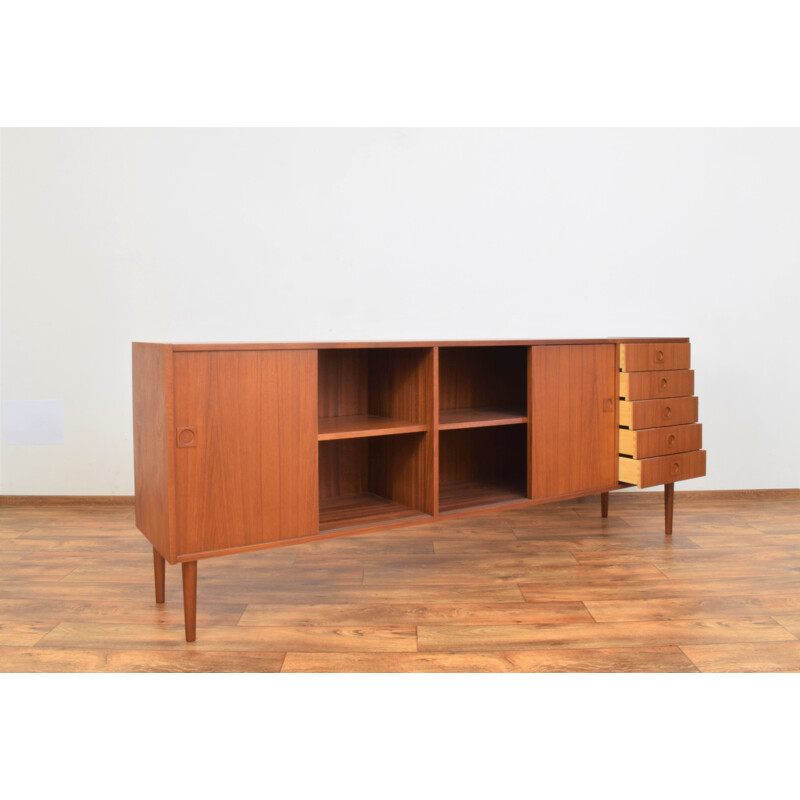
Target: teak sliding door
(572, 419)
(246, 448)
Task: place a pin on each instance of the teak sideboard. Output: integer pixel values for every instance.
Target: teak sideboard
(239, 447)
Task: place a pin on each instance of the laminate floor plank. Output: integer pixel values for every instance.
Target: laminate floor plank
(782, 604)
(414, 614)
(13, 632)
(54, 659)
(454, 638)
(128, 611)
(95, 573)
(789, 621)
(232, 638)
(644, 659)
(640, 589)
(745, 657)
(666, 608)
(444, 563)
(546, 573)
(578, 545)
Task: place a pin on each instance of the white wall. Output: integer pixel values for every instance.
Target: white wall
(110, 236)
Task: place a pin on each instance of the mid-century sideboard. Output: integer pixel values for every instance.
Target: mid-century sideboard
(239, 447)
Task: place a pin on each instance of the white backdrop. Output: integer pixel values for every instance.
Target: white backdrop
(111, 236)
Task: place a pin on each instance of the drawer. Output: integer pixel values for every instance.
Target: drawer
(659, 355)
(636, 414)
(651, 385)
(660, 441)
(646, 472)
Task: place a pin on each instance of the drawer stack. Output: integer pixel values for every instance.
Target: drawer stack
(659, 436)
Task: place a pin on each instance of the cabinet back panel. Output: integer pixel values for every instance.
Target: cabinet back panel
(483, 454)
(399, 384)
(342, 382)
(343, 467)
(483, 377)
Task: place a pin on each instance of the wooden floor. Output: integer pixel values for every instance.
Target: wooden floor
(549, 588)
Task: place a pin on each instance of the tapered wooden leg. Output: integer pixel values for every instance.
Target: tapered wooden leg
(190, 599)
(669, 497)
(604, 504)
(159, 566)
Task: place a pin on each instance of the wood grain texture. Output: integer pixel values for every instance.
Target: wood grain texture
(159, 569)
(153, 452)
(642, 659)
(373, 480)
(653, 442)
(452, 418)
(67, 500)
(542, 588)
(572, 422)
(362, 425)
(187, 347)
(647, 472)
(656, 385)
(636, 414)
(388, 383)
(659, 356)
(483, 377)
(252, 478)
(481, 467)
(189, 570)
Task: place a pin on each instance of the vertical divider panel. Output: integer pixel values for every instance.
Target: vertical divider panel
(529, 438)
(433, 416)
(617, 349)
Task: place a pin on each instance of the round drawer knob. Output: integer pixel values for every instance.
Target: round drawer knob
(675, 467)
(659, 356)
(667, 412)
(671, 439)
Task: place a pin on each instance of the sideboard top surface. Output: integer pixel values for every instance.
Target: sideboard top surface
(178, 347)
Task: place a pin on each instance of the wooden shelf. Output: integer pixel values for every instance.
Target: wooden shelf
(362, 510)
(453, 418)
(355, 426)
(460, 495)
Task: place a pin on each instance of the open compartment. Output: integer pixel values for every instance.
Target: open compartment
(368, 481)
(482, 467)
(374, 391)
(482, 386)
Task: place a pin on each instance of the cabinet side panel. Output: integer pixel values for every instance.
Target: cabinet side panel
(573, 421)
(152, 406)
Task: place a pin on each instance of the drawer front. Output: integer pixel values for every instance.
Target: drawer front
(653, 442)
(652, 385)
(664, 469)
(636, 414)
(657, 356)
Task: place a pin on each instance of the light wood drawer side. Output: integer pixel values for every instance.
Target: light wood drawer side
(636, 414)
(664, 469)
(658, 356)
(653, 385)
(653, 442)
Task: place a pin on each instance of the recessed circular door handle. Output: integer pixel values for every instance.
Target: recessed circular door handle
(663, 383)
(675, 467)
(659, 356)
(187, 436)
(667, 412)
(671, 439)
